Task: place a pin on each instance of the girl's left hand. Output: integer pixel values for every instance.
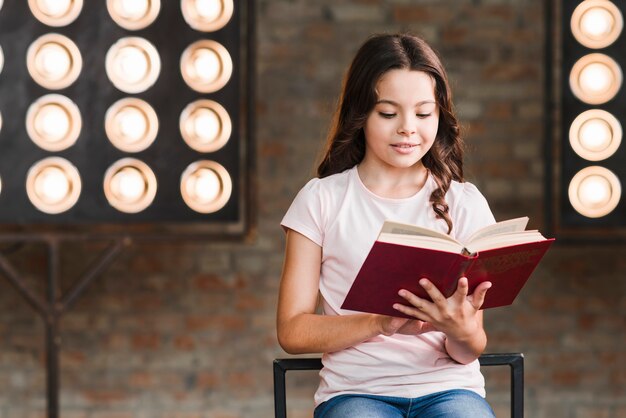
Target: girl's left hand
(456, 316)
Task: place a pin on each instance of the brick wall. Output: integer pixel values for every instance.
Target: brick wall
(186, 330)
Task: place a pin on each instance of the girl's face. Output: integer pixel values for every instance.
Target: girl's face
(403, 125)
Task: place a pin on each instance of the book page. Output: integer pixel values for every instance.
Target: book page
(503, 227)
(434, 243)
(505, 240)
(391, 227)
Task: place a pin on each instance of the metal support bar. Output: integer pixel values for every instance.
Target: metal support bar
(52, 309)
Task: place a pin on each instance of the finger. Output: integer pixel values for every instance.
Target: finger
(416, 301)
(462, 289)
(411, 311)
(478, 297)
(435, 295)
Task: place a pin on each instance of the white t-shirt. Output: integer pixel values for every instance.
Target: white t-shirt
(343, 217)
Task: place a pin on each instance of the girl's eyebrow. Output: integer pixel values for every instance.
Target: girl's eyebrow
(391, 102)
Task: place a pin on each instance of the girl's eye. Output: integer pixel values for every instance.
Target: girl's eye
(423, 115)
(386, 115)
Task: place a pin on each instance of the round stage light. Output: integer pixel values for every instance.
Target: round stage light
(54, 61)
(1, 59)
(594, 192)
(205, 125)
(206, 66)
(131, 124)
(134, 14)
(56, 12)
(596, 23)
(53, 122)
(130, 185)
(595, 135)
(205, 186)
(207, 15)
(133, 65)
(53, 185)
(595, 78)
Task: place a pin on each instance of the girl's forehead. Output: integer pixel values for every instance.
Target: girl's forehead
(407, 84)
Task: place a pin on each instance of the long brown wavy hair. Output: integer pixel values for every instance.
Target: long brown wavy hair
(345, 145)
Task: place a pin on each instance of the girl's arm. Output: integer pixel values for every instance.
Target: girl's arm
(300, 329)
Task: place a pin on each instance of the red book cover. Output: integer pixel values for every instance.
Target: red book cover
(391, 267)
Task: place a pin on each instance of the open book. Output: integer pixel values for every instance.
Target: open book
(503, 253)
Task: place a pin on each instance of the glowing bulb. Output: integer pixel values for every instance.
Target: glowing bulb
(53, 122)
(133, 64)
(596, 78)
(54, 7)
(54, 60)
(205, 185)
(595, 134)
(207, 65)
(52, 185)
(134, 9)
(594, 191)
(597, 22)
(129, 184)
(206, 125)
(209, 10)
(132, 123)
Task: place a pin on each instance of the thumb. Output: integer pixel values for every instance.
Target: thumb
(478, 297)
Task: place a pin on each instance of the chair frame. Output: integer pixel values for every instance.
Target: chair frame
(514, 360)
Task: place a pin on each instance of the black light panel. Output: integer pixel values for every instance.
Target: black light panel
(591, 157)
(120, 114)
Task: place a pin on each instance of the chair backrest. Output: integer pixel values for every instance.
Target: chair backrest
(514, 360)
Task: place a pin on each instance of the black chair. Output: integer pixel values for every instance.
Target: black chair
(514, 360)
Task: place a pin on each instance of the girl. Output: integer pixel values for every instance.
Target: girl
(394, 152)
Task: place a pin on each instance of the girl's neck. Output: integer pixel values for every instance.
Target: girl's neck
(394, 183)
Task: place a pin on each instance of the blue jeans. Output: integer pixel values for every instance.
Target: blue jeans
(457, 403)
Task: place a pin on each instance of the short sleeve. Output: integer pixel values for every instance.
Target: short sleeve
(305, 213)
(472, 212)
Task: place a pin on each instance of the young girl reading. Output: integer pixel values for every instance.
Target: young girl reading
(394, 152)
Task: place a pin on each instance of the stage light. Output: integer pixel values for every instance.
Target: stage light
(131, 124)
(206, 66)
(53, 185)
(205, 186)
(594, 191)
(1, 59)
(133, 64)
(207, 15)
(53, 122)
(585, 162)
(134, 14)
(595, 78)
(130, 185)
(205, 125)
(596, 23)
(595, 135)
(95, 94)
(54, 61)
(56, 12)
